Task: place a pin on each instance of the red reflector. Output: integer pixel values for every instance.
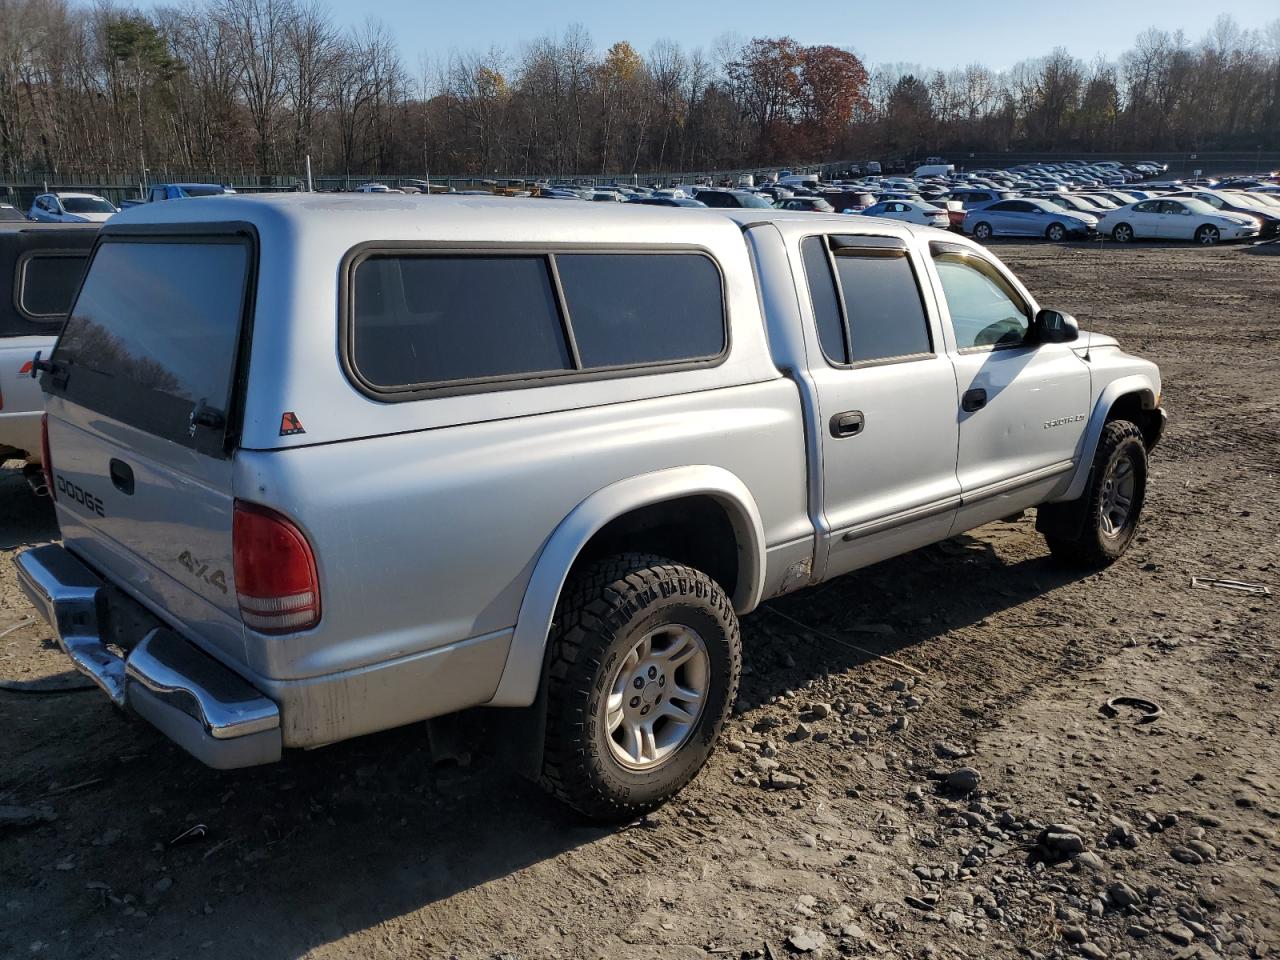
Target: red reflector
(25, 369)
(46, 461)
(276, 582)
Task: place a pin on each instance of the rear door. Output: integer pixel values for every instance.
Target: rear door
(143, 405)
(886, 397)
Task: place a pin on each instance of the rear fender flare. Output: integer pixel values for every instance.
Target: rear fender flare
(1138, 384)
(522, 675)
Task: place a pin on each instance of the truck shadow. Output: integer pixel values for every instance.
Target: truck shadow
(346, 838)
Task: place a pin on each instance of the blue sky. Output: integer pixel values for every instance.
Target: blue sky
(935, 33)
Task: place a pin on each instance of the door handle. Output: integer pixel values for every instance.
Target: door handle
(848, 424)
(121, 476)
(974, 399)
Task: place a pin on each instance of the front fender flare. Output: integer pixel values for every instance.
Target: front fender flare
(522, 675)
(1113, 391)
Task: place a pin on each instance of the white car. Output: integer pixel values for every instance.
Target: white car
(912, 211)
(71, 208)
(376, 188)
(1185, 219)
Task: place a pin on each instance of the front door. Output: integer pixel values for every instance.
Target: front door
(1176, 221)
(1145, 219)
(1023, 407)
(886, 397)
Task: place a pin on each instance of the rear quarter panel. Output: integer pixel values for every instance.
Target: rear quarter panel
(426, 538)
(428, 515)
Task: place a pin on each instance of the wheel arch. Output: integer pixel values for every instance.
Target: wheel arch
(632, 500)
(1132, 398)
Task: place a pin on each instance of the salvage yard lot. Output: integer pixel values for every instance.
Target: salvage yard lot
(823, 826)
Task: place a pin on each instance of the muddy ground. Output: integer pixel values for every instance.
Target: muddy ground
(1168, 839)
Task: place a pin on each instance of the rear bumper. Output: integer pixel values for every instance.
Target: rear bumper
(208, 710)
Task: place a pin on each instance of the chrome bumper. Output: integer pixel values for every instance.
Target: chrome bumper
(193, 699)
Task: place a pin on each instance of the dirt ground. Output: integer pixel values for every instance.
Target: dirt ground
(1167, 834)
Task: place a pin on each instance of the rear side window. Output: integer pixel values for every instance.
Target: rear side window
(46, 284)
(637, 309)
(822, 294)
(870, 309)
(423, 320)
(882, 301)
(153, 337)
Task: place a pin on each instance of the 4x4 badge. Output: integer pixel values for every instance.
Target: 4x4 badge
(290, 425)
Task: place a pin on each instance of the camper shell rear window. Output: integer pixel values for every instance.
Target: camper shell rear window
(154, 337)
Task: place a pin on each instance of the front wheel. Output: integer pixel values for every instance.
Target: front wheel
(645, 660)
(1056, 232)
(982, 231)
(1208, 235)
(1123, 233)
(1114, 497)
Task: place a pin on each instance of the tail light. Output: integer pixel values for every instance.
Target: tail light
(46, 461)
(276, 582)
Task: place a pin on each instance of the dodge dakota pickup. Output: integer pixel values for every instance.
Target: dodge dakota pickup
(326, 465)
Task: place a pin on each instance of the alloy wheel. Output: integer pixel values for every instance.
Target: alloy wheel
(1116, 503)
(656, 696)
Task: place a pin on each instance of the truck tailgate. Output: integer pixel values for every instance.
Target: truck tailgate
(140, 398)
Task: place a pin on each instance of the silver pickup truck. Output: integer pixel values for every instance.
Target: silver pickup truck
(40, 268)
(329, 465)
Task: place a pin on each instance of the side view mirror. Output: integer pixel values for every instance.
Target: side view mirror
(1054, 326)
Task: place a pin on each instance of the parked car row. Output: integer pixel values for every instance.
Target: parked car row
(1057, 201)
(1060, 201)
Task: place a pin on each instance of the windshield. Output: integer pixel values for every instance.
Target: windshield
(9, 213)
(1252, 203)
(1197, 206)
(202, 190)
(86, 205)
(751, 200)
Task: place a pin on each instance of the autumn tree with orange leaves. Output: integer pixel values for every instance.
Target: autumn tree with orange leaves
(798, 100)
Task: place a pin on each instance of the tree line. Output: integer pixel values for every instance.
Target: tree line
(221, 85)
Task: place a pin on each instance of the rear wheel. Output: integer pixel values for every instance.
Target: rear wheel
(1208, 235)
(1123, 233)
(982, 231)
(644, 669)
(1114, 497)
(1056, 232)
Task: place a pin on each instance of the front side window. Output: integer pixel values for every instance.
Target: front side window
(985, 309)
